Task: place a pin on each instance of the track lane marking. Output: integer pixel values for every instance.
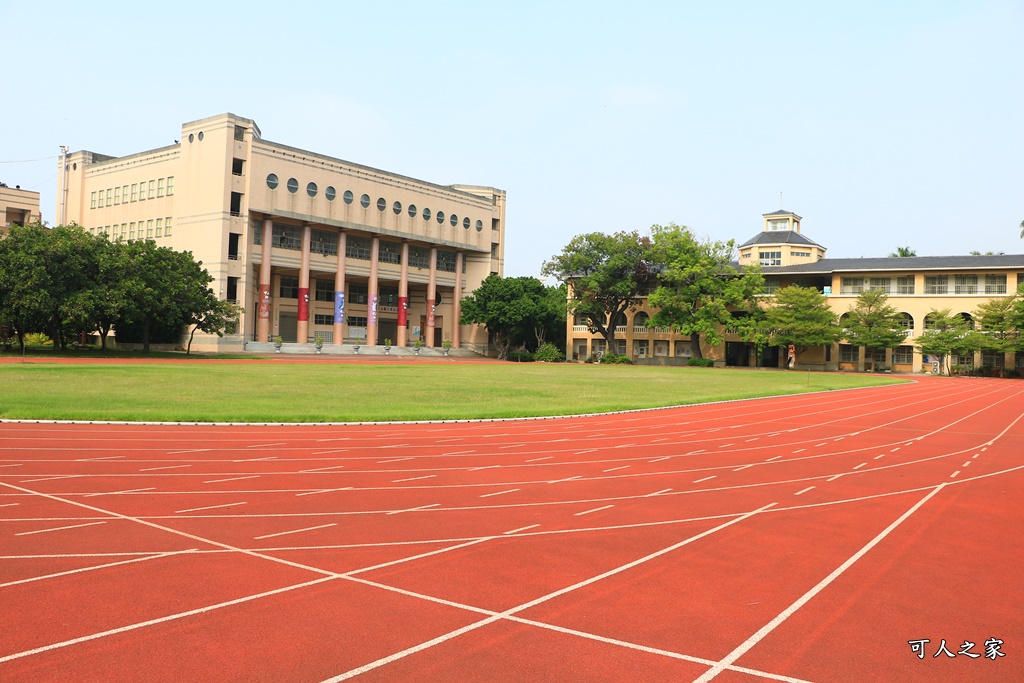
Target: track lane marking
(117, 493)
(498, 493)
(425, 476)
(524, 528)
(59, 528)
(587, 512)
(697, 481)
(217, 481)
(209, 507)
(294, 531)
(166, 467)
(421, 507)
(89, 569)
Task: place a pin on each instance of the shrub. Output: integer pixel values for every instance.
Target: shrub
(549, 353)
(520, 356)
(700, 362)
(37, 339)
(613, 359)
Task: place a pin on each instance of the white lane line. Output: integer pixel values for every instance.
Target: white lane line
(421, 507)
(803, 491)
(272, 457)
(63, 476)
(498, 493)
(834, 477)
(659, 440)
(16, 465)
(558, 481)
(587, 512)
(8, 505)
(742, 468)
(533, 603)
(265, 445)
(860, 465)
(452, 438)
(699, 450)
(966, 464)
(895, 449)
(59, 528)
(322, 469)
(823, 443)
(878, 457)
(775, 458)
(425, 476)
(382, 462)
(217, 481)
(659, 459)
(394, 445)
(295, 531)
(512, 445)
(460, 452)
(697, 481)
(726, 445)
(166, 467)
(191, 450)
(524, 528)
(799, 450)
(657, 493)
(754, 439)
(753, 640)
(546, 457)
(319, 491)
(485, 467)
(613, 469)
(89, 569)
(116, 493)
(975, 456)
(336, 450)
(343, 438)
(588, 450)
(953, 476)
(209, 507)
(106, 457)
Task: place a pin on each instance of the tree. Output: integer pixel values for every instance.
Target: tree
(800, 316)
(873, 323)
(605, 274)
(1022, 230)
(999, 331)
(698, 285)
(903, 252)
(987, 253)
(214, 317)
(512, 309)
(945, 333)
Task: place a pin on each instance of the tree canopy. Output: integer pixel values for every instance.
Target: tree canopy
(516, 310)
(903, 252)
(872, 323)
(801, 316)
(945, 333)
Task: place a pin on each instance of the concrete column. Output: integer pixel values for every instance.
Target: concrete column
(457, 301)
(339, 292)
(888, 358)
(431, 297)
(263, 312)
(373, 294)
(861, 358)
(403, 297)
(302, 328)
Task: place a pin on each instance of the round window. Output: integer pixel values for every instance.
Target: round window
(191, 137)
(381, 204)
(311, 189)
(348, 196)
(397, 208)
(412, 211)
(454, 220)
(293, 185)
(479, 226)
(330, 193)
(426, 214)
(465, 223)
(440, 217)
(365, 201)
(272, 181)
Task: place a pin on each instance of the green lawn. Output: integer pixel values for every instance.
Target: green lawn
(312, 392)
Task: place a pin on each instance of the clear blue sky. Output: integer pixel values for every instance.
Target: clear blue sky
(884, 124)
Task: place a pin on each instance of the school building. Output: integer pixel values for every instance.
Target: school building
(307, 244)
(915, 286)
(17, 206)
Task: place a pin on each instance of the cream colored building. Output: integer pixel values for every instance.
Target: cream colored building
(18, 206)
(915, 286)
(307, 244)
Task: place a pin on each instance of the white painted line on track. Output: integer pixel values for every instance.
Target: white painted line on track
(512, 445)
(834, 477)
(878, 457)
(59, 528)
(726, 445)
(421, 507)
(742, 468)
(191, 450)
(966, 464)
(166, 467)
(546, 457)
(587, 512)
(209, 507)
(344, 438)
(697, 481)
(699, 450)
(217, 481)
(336, 450)
(799, 450)
(524, 528)
(953, 476)
(498, 493)
(975, 456)
(8, 505)
(116, 493)
(89, 569)
(860, 465)
(107, 457)
(753, 640)
(17, 465)
(823, 443)
(265, 445)
(485, 467)
(657, 493)
(613, 469)
(62, 476)
(272, 457)
(659, 440)
(382, 462)
(319, 491)
(394, 445)
(754, 439)
(473, 450)
(775, 458)
(660, 459)
(895, 449)
(452, 438)
(588, 450)
(323, 469)
(557, 481)
(295, 531)
(425, 476)
(803, 491)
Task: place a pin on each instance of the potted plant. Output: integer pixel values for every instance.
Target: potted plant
(277, 344)
(447, 346)
(318, 340)
(387, 347)
(417, 345)
(355, 344)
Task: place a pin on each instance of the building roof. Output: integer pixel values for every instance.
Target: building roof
(779, 237)
(890, 263)
(782, 212)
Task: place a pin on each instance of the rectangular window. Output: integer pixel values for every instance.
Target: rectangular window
(170, 185)
(124, 230)
(966, 359)
(232, 291)
(131, 230)
(357, 294)
(324, 290)
(239, 133)
(160, 187)
(323, 242)
(167, 227)
(357, 248)
(800, 253)
(142, 191)
(992, 359)
(772, 284)
(117, 195)
(110, 199)
(149, 228)
(851, 285)
(289, 288)
(390, 252)
(323, 318)
(936, 284)
(356, 321)
(848, 353)
(965, 284)
(286, 237)
(446, 261)
(124, 194)
(159, 227)
(134, 191)
(152, 189)
(236, 204)
(92, 201)
(236, 166)
(995, 284)
(880, 284)
(770, 258)
(419, 257)
(233, 240)
(904, 355)
(905, 285)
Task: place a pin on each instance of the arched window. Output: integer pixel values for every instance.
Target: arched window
(640, 322)
(907, 322)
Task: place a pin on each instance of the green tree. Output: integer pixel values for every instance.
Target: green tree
(512, 309)
(998, 329)
(606, 276)
(698, 284)
(873, 323)
(903, 252)
(213, 316)
(945, 333)
(800, 316)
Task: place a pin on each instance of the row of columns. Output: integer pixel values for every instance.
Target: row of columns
(302, 330)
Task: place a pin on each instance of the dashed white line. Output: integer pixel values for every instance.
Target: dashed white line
(16, 465)
(7, 505)
(209, 507)
(421, 507)
(953, 476)
(546, 457)
(587, 512)
(775, 458)
(697, 481)
(59, 528)
(512, 445)
(425, 476)
(336, 450)
(106, 457)
(498, 493)
(296, 531)
(823, 443)
(485, 467)
(877, 457)
(659, 459)
(799, 450)
(895, 449)
(166, 467)
(657, 493)
(322, 469)
(265, 445)
(271, 457)
(319, 491)
(803, 491)
(217, 481)
(191, 450)
(556, 481)
(975, 456)
(742, 468)
(62, 476)
(754, 439)
(382, 462)
(834, 477)
(613, 469)
(116, 493)
(524, 528)
(966, 464)
(726, 445)
(588, 450)
(860, 465)
(460, 452)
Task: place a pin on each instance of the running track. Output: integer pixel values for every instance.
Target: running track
(805, 538)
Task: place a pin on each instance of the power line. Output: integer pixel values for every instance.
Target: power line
(26, 161)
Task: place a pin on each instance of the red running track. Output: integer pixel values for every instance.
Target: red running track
(804, 538)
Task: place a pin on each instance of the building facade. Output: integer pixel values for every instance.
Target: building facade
(18, 206)
(915, 286)
(307, 244)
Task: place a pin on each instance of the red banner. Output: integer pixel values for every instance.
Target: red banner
(430, 313)
(264, 310)
(304, 303)
(403, 307)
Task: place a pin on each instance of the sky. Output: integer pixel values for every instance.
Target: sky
(882, 124)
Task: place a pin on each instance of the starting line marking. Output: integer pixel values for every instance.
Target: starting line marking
(587, 512)
(295, 531)
(59, 528)
(532, 526)
(499, 493)
(208, 507)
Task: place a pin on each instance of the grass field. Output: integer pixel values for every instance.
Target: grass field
(326, 392)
